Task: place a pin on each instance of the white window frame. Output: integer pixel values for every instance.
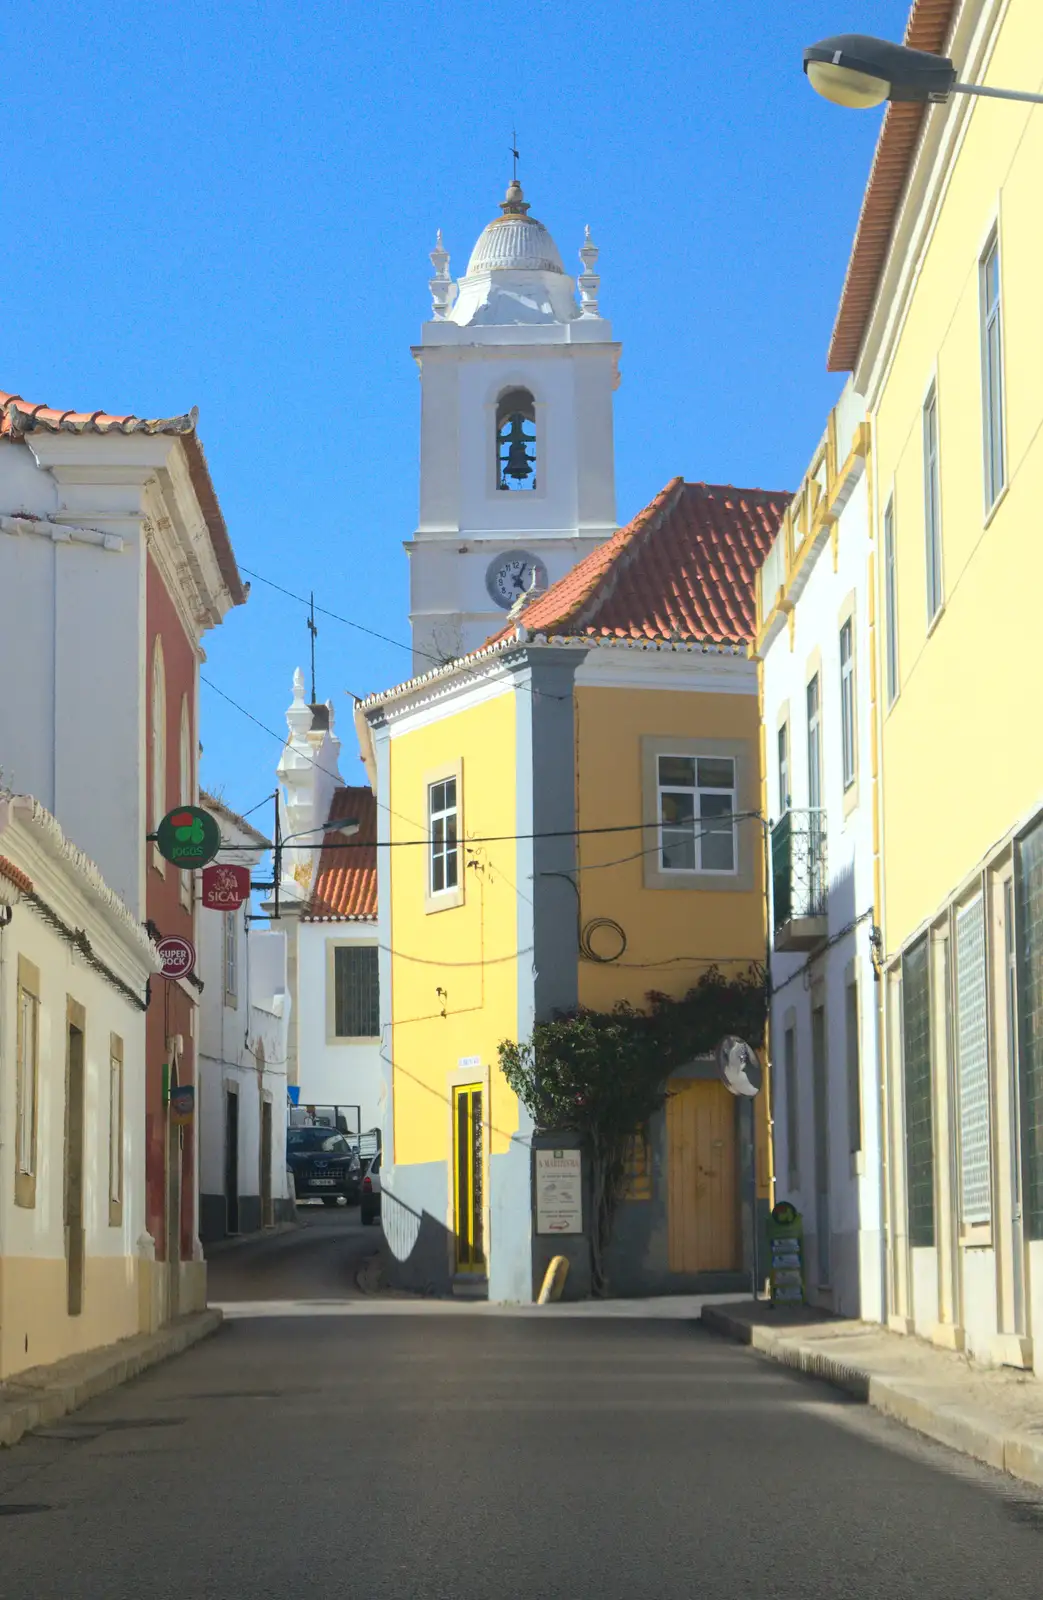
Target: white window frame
(230, 956)
(697, 790)
(336, 950)
(186, 795)
(849, 764)
(890, 606)
(28, 1078)
(993, 396)
(158, 773)
(783, 753)
(814, 740)
(115, 1130)
(932, 495)
(440, 851)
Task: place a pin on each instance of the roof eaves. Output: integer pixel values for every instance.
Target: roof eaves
(928, 28)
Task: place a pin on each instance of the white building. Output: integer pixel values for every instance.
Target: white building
(814, 643)
(517, 475)
(75, 967)
(328, 908)
(244, 1019)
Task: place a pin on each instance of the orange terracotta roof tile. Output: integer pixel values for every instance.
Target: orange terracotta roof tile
(19, 417)
(346, 882)
(927, 29)
(15, 875)
(682, 572)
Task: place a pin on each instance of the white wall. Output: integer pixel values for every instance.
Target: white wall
(330, 1071)
(72, 619)
(242, 1047)
(854, 1179)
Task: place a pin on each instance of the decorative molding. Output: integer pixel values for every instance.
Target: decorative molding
(58, 531)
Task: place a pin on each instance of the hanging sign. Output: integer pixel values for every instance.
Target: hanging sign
(188, 837)
(559, 1191)
(786, 1247)
(178, 957)
(182, 1104)
(225, 888)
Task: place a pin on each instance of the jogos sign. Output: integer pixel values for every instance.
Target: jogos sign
(188, 837)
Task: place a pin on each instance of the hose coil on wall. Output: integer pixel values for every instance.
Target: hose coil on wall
(599, 925)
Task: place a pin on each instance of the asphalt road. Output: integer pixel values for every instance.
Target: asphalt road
(316, 1260)
(409, 1451)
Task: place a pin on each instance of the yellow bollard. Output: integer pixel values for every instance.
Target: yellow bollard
(554, 1282)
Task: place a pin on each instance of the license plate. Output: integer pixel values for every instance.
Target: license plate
(325, 1182)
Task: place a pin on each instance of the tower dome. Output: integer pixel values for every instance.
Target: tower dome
(514, 241)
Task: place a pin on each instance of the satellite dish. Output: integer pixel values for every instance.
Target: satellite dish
(738, 1066)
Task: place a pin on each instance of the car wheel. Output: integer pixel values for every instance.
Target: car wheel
(367, 1219)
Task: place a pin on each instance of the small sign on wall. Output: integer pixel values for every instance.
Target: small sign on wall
(182, 1104)
(559, 1191)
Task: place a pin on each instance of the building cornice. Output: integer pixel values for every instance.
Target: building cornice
(68, 883)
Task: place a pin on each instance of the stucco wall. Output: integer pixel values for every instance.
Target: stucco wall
(332, 1071)
(35, 1326)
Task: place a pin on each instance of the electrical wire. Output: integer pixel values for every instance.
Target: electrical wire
(347, 621)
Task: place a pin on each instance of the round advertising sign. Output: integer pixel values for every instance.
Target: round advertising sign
(188, 837)
(178, 957)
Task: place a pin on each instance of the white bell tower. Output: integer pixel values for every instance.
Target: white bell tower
(517, 475)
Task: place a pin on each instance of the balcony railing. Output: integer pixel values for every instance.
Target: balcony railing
(799, 879)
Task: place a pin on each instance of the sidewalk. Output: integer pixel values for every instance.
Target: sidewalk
(995, 1415)
(43, 1394)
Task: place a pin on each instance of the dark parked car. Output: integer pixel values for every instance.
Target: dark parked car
(370, 1202)
(324, 1164)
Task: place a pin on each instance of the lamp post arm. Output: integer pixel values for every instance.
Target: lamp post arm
(997, 94)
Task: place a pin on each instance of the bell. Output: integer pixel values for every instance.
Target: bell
(519, 463)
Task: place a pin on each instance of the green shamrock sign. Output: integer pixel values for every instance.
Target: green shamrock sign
(188, 837)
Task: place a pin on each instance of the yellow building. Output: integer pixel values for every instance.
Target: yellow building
(941, 323)
(570, 817)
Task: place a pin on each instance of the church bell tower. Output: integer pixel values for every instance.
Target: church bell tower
(517, 477)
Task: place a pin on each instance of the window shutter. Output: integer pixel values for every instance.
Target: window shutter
(972, 1042)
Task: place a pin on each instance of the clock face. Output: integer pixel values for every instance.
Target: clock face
(510, 577)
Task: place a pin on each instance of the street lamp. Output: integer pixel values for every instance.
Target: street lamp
(859, 72)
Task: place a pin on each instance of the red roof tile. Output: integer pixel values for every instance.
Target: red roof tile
(19, 417)
(682, 571)
(927, 29)
(346, 882)
(15, 875)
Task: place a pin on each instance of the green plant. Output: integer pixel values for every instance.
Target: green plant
(602, 1074)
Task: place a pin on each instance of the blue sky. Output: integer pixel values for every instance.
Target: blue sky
(231, 205)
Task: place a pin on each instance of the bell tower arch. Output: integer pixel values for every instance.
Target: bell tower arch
(517, 472)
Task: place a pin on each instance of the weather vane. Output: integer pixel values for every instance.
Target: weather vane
(515, 152)
(313, 630)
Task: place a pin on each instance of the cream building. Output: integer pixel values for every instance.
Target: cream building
(75, 968)
(940, 323)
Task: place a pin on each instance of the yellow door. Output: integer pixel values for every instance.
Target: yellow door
(468, 1188)
(702, 1177)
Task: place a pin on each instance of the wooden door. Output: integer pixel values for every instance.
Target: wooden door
(74, 1175)
(468, 1173)
(702, 1177)
(267, 1217)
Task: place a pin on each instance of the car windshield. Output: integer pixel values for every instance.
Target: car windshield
(333, 1144)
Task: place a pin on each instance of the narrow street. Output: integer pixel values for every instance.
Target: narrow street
(316, 1260)
(415, 1450)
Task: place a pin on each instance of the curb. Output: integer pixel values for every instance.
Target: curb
(1019, 1454)
(220, 1247)
(43, 1394)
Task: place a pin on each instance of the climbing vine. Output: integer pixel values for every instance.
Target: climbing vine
(602, 1074)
